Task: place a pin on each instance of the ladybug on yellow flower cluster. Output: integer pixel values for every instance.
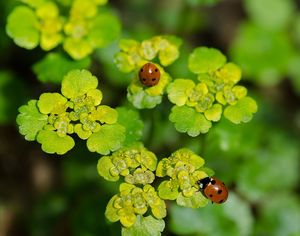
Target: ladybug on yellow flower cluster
(149, 74)
(213, 189)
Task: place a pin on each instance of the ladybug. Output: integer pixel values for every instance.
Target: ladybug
(213, 189)
(149, 74)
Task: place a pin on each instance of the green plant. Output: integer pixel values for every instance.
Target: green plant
(51, 119)
(84, 29)
(146, 180)
(196, 105)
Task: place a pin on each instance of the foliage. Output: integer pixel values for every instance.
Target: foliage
(148, 168)
(51, 119)
(197, 105)
(137, 165)
(134, 163)
(184, 169)
(134, 200)
(145, 226)
(133, 55)
(87, 26)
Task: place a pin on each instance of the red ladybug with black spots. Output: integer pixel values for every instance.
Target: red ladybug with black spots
(149, 75)
(213, 189)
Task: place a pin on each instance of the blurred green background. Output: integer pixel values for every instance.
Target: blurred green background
(44, 194)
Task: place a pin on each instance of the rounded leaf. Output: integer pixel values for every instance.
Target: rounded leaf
(52, 103)
(187, 120)
(162, 166)
(128, 218)
(106, 114)
(108, 138)
(77, 48)
(77, 83)
(205, 60)
(168, 190)
(50, 41)
(143, 100)
(189, 157)
(111, 211)
(214, 113)
(104, 166)
(145, 226)
(22, 26)
(242, 111)
(52, 143)
(30, 120)
(83, 134)
(159, 211)
(195, 201)
(168, 46)
(96, 94)
(128, 45)
(178, 91)
(124, 62)
(168, 55)
(148, 49)
(230, 73)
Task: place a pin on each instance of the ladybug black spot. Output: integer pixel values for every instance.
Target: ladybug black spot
(153, 79)
(219, 191)
(210, 195)
(213, 182)
(142, 70)
(144, 79)
(221, 201)
(156, 70)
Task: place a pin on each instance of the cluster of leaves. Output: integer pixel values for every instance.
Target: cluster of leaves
(133, 201)
(134, 55)
(139, 206)
(262, 160)
(183, 168)
(269, 65)
(197, 105)
(54, 117)
(123, 161)
(136, 195)
(86, 27)
(51, 119)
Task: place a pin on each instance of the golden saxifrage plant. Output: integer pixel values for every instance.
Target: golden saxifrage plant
(146, 180)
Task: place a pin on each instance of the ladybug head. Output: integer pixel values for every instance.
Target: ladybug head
(203, 182)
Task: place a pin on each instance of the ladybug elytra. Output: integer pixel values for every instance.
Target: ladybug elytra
(213, 189)
(149, 74)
